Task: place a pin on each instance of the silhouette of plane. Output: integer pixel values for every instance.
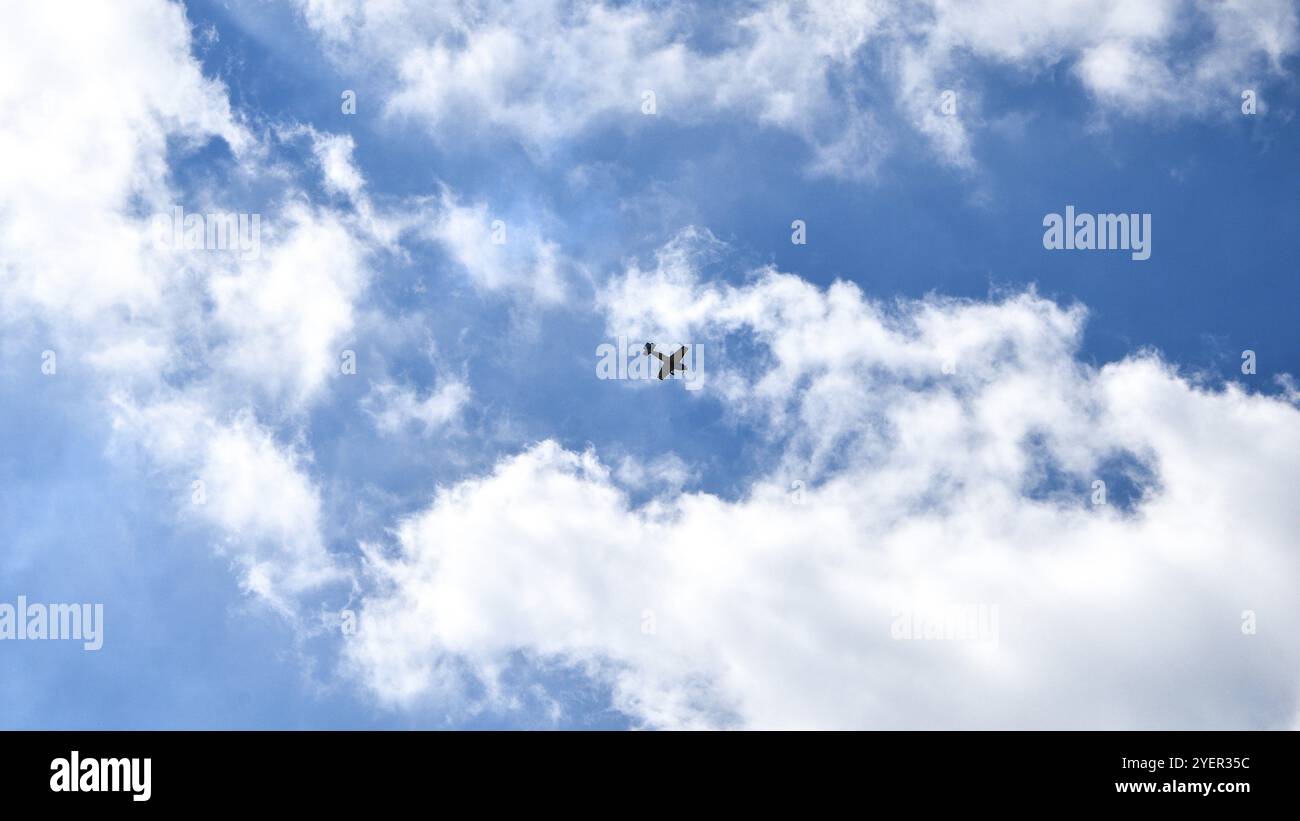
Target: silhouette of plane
(669, 364)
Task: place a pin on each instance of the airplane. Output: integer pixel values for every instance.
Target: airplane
(670, 364)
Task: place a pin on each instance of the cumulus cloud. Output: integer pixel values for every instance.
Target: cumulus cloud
(1132, 58)
(334, 153)
(916, 455)
(396, 407)
(668, 471)
(92, 113)
(255, 491)
(498, 255)
(212, 360)
(833, 73)
(544, 72)
(920, 487)
(282, 317)
(185, 340)
(195, 354)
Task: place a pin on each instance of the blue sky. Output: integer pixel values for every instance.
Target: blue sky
(504, 542)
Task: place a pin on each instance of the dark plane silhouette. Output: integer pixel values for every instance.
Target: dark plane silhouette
(669, 364)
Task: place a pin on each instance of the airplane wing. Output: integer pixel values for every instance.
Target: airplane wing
(666, 369)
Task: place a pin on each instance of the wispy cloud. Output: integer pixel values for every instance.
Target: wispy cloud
(543, 72)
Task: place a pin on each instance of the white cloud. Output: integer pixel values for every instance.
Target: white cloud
(254, 490)
(334, 153)
(193, 339)
(668, 472)
(766, 611)
(94, 94)
(1135, 58)
(184, 343)
(775, 609)
(545, 71)
(498, 254)
(395, 407)
(284, 317)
